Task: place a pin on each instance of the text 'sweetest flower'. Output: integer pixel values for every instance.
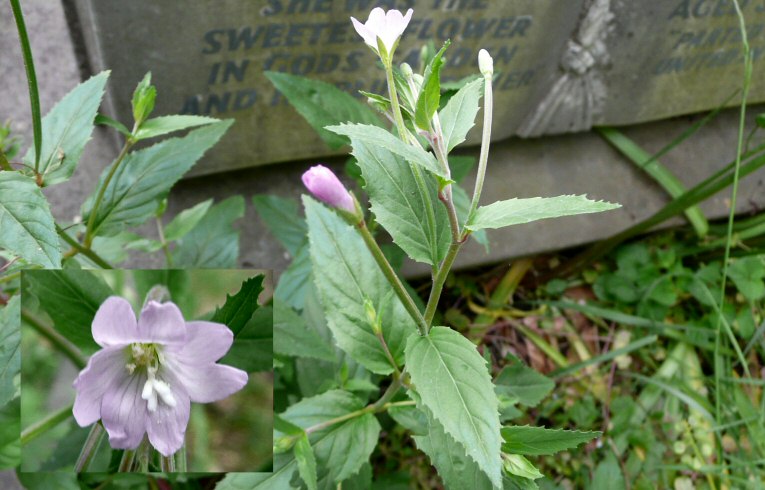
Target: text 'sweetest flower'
(387, 26)
(148, 371)
(325, 185)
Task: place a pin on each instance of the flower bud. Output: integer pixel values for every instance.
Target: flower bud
(325, 185)
(406, 70)
(485, 63)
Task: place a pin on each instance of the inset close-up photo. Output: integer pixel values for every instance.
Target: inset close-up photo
(146, 370)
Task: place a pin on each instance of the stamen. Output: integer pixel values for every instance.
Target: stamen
(152, 405)
(131, 368)
(148, 389)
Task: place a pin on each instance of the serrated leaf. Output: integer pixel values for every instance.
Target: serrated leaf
(282, 219)
(145, 177)
(322, 104)
(340, 449)
(430, 93)
(306, 463)
(456, 469)
(459, 114)
(254, 481)
(293, 337)
(295, 280)
(158, 126)
(186, 220)
(376, 136)
(523, 383)
(28, 229)
(538, 441)
(401, 206)
(239, 308)
(10, 356)
(66, 130)
(253, 347)
(71, 298)
(214, 242)
(346, 275)
(411, 418)
(454, 384)
(517, 211)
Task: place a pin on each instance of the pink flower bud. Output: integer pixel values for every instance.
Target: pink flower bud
(325, 185)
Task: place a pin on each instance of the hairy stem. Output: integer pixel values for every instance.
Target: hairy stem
(59, 341)
(100, 196)
(393, 279)
(163, 241)
(39, 428)
(86, 251)
(167, 464)
(126, 463)
(89, 448)
(438, 282)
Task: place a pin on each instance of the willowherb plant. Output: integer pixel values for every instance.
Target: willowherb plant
(361, 324)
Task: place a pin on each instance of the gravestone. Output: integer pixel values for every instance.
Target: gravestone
(561, 66)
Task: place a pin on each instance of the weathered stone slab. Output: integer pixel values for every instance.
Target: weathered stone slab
(561, 66)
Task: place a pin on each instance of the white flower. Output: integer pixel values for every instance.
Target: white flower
(485, 62)
(387, 26)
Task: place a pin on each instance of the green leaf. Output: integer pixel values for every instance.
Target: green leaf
(411, 418)
(27, 225)
(239, 308)
(608, 474)
(538, 441)
(293, 337)
(340, 449)
(459, 114)
(66, 130)
(186, 220)
(47, 480)
(214, 242)
(282, 219)
(104, 120)
(253, 347)
(378, 137)
(747, 274)
(454, 384)
(145, 177)
(254, 481)
(169, 124)
(400, 205)
(10, 430)
(10, 356)
(517, 465)
(524, 383)
(455, 468)
(295, 280)
(346, 275)
(306, 462)
(430, 93)
(322, 104)
(71, 298)
(517, 211)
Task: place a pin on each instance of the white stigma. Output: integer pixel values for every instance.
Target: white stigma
(154, 387)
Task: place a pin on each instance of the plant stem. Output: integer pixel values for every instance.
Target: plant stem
(488, 102)
(128, 457)
(504, 291)
(388, 354)
(393, 279)
(438, 282)
(59, 341)
(86, 251)
(10, 277)
(100, 196)
(142, 453)
(180, 459)
(37, 429)
(89, 448)
(167, 464)
(163, 241)
(29, 65)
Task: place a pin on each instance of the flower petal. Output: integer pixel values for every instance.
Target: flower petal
(167, 424)
(123, 412)
(206, 342)
(208, 382)
(161, 323)
(105, 370)
(370, 38)
(114, 323)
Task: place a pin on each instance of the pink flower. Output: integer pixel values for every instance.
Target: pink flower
(148, 372)
(325, 185)
(387, 26)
